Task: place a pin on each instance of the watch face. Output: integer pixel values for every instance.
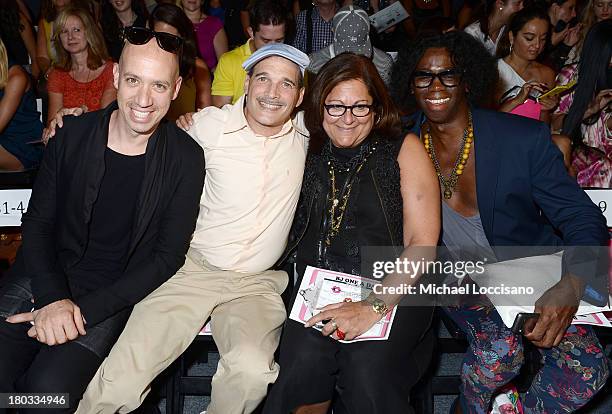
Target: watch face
(379, 305)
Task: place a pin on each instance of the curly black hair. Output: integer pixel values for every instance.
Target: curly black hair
(468, 55)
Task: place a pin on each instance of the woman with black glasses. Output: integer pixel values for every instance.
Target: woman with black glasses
(365, 184)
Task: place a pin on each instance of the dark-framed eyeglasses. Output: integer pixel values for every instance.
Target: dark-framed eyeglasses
(141, 35)
(358, 110)
(449, 78)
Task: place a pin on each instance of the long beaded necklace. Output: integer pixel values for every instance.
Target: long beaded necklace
(449, 184)
(339, 199)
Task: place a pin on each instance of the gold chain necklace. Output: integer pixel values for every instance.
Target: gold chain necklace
(449, 184)
(339, 200)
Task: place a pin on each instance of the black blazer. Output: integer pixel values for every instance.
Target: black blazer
(56, 224)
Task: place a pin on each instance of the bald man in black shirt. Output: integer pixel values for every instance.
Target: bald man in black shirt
(110, 218)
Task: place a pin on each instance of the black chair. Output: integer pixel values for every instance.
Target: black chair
(431, 384)
(17, 179)
(184, 384)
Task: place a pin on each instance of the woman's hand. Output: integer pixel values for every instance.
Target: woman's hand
(573, 35)
(603, 99)
(549, 103)
(527, 88)
(522, 96)
(350, 318)
(558, 37)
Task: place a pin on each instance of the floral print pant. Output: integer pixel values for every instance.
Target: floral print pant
(571, 374)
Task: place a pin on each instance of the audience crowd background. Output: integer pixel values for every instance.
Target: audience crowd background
(553, 59)
(67, 49)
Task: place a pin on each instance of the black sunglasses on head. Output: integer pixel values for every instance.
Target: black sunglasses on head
(141, 35)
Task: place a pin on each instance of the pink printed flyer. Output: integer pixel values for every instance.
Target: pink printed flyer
(322, 287)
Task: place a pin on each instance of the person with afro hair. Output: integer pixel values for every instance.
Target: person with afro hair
(503, 183)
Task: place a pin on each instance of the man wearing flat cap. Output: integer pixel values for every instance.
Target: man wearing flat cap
(255, 152)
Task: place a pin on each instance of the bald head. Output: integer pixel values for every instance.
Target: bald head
(147, 80)
(149, 52)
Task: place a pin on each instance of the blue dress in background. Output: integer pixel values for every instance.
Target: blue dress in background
(218, 12)
(22, 136)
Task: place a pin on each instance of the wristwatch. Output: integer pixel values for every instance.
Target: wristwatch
(378, 305)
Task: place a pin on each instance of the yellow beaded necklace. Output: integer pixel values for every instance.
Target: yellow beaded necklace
(449, 184)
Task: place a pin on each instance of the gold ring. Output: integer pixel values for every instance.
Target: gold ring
(334, 325)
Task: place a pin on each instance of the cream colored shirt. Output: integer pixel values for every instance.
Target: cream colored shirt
(251, 189)
(489, 44)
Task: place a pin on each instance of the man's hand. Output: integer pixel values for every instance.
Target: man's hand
(56, 323)
(185, 121)
(557, 307)
(58, 121)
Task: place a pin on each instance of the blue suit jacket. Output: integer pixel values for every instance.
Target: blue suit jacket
(525, 196)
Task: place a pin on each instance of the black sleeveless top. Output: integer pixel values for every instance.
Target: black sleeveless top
(373, 215)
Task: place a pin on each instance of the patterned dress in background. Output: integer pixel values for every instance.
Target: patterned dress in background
(593, 161)
(76, 93)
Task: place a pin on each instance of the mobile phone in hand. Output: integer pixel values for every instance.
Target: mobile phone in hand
(518, 327)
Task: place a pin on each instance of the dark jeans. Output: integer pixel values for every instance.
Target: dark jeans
(28, 366)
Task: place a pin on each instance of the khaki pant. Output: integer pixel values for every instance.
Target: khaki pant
(246, 317)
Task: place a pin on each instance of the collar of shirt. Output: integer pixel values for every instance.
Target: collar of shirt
(245, 49)
(236, 121)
